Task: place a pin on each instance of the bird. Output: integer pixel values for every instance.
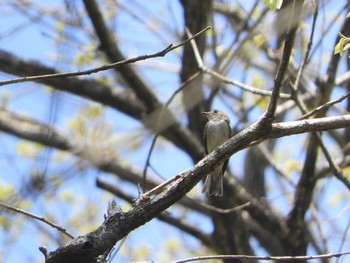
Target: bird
(216, 132)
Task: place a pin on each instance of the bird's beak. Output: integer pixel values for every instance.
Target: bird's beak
(205, 113)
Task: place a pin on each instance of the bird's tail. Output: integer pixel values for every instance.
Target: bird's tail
(213, 185)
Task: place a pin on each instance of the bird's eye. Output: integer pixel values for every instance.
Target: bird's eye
(215, 111)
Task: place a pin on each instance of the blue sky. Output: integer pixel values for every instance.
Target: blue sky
(35, 41)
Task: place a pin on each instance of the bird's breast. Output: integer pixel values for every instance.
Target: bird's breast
(216, 134)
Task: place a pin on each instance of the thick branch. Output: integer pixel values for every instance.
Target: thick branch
(87, 248)
(116, 98)
(165, 217)
(108, 44)
(196, 15)
(304, 126)
(50, 136)
(119, 225)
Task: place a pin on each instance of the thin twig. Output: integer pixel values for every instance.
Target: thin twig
(161, 53)
(265, 258)
(159, 188)
(324, 106)
(195, 49)
(274, 164)
(42, 219)
(343, 240)
(286, 56)
(335, 168)
(188, 81)
(243, 86)
(225, 79)
(225, 211)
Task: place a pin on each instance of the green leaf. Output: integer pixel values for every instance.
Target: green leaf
(339, 48)
(273, 4)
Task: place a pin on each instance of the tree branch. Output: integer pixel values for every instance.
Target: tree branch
(40, 218)
(121, 100)
(266, 258)
(295, 11)
(165, 217)
(148, 209)
(116, 227)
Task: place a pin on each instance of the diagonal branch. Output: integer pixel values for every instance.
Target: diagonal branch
(179, 223)
(119, 225)
(108, 44)
(134, 82)
(40, 218)
(124, 101)
(86, 248)
(113, 65)
(296, 7)
(50, 136)
(116, 98)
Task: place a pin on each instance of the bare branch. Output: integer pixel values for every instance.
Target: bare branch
(40, 218)
(324, 106)
(266, 258)
(243, 86)
(116, 98)
(182, 86)
(165, 217)
(312, 125)
(121, 100)
(114, 65)
(295, 11)
(144, 210)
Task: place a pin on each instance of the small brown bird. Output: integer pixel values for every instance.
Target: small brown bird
(216, 132)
